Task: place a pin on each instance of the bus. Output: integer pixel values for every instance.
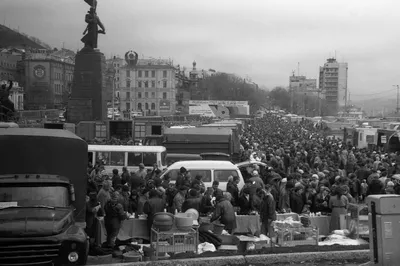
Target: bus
(116, 157)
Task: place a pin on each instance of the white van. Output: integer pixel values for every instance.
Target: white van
(209, 170)
(116, 157)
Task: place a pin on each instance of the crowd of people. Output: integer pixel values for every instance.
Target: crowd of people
(301, 171)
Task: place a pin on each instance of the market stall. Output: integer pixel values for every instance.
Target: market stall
(131, 228)
(248, 224)
(290, 231)
(322, 223)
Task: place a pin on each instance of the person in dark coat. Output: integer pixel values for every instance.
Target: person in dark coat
(268, 212)
(296, 200)
(225, 213)
(125, 176)
(321, 201)
(217, 191)
(93, 210)
(136, 182)
(206, 204)
(116, 179)
(153, 205)
(376, 187)
(114, 215)
(232, 187)
(182, 178)
(192, 202)
(245, 202)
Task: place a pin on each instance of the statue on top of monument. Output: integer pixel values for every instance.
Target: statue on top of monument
(93, 22)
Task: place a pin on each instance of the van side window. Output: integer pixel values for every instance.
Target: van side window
(206, 174)
(135, 158)
(117, 158)
(149, 158)
(103, 157)
(223, 175)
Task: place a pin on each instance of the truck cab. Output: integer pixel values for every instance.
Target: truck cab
(42, 197)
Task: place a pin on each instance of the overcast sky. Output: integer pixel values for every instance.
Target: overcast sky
(264, 39)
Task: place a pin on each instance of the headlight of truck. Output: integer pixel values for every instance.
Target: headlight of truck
(73, 256)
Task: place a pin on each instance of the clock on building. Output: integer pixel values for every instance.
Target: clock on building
(39, 71)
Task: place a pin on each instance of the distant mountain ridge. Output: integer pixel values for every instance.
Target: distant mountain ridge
(12, 38)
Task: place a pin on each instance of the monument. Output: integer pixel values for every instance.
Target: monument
(7, 111)
(89, 96)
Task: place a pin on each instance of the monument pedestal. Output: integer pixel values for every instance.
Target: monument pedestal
(89, 94)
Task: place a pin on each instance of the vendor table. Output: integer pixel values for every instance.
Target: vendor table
(248, 224)
(130, 228)
(174, 241)
(322, 223)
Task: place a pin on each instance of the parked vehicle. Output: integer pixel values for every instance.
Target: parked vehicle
(42, 197)
(116, 157)
(210, 171)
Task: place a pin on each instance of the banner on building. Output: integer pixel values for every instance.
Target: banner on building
(165, 105)
(383, 139)
(223, 109)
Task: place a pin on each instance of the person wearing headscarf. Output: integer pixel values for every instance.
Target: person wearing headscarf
(225, 213)
(114, 215)
(338, 204)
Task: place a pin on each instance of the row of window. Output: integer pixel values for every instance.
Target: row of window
(146, 95)
(219, 175)
(59, 76)
(145, 73)
(134, 158)
(146, 84)
(8, 65)
(58, 88)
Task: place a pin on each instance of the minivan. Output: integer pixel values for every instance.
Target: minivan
(210, 171)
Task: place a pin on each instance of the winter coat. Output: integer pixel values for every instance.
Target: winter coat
(225, 213)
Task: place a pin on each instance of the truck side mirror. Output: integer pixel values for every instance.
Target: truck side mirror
(72, 192)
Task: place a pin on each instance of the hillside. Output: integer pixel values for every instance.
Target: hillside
(9, 37)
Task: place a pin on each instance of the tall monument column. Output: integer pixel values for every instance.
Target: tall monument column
(89, 96)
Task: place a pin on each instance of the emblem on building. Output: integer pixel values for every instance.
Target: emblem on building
(131, 58)
(39, 71)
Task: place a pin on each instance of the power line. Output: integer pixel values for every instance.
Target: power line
(371, 94)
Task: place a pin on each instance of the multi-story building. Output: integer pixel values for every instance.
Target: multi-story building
(16, 95)
(8, 63)
(333, 81)
(48, 77)
(302, 84)
(147, 87)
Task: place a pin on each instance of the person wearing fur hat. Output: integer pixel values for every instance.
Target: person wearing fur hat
(338, 204)
(114, 215)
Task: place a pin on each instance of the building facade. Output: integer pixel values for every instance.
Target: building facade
(47, 79)
(333, 82)
(149, 87)
(302, 84)
(8, 64)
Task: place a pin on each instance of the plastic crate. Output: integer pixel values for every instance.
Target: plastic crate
(291, 237)
(174, 241)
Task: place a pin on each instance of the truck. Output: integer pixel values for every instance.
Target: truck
(201, 140)
(43, 184)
